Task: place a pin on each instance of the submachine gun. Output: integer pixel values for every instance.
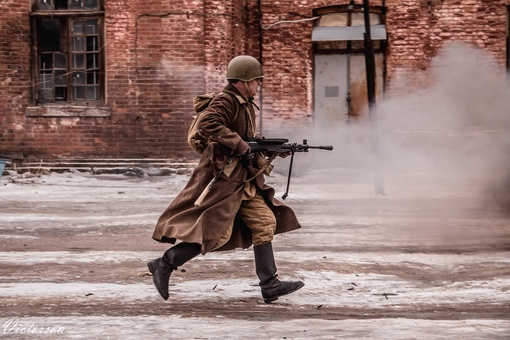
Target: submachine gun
(275, 146)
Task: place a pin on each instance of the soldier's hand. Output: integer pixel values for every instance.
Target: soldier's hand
(284, 154)
(242, 148)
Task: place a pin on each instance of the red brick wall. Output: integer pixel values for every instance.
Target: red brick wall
(228, 26)
(158, 57)
(288, 61)
(161, 53)
(168, 51)
(418, 30)
(14, 73)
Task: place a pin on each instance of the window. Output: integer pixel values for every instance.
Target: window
(340, 79)
(68, 57)
(340, 29)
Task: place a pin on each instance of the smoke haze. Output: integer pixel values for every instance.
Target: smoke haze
(453, 131)
(458, 124)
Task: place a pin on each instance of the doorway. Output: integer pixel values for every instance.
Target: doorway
(340, 88)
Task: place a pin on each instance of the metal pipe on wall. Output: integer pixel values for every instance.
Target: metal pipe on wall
(261, 44)
(370, 69)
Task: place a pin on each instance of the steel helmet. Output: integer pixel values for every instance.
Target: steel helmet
(245, 68)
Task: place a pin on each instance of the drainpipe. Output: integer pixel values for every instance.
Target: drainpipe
(261, 44)
(370, 69)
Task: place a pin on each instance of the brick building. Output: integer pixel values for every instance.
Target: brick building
(116, 79)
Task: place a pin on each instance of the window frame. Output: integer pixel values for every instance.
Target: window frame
(68, 16)
(380, 46)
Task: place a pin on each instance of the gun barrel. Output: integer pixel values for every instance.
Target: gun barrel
(322, 147)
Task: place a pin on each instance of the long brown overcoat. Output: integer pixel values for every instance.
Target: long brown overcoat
(208, 222)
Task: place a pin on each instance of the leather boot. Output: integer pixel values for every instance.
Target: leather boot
(265, 266)
(161, 268)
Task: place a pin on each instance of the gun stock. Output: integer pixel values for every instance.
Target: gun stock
(206, 191)
(201, 198)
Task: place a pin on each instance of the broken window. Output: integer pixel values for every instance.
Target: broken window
(69, 57)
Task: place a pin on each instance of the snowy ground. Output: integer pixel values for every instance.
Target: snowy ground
(429, 260)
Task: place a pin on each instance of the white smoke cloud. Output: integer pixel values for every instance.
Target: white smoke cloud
(453, 132)
(458, 123)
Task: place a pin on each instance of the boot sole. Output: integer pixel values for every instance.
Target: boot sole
(274, 298)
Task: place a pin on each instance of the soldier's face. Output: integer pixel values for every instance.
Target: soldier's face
(253, 86)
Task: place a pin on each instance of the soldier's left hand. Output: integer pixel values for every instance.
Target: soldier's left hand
(284, 154)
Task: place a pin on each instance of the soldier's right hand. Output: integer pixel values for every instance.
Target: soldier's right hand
(242, 148)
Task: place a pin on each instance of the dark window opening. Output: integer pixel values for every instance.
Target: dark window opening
(60, 4)
(45, 5)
